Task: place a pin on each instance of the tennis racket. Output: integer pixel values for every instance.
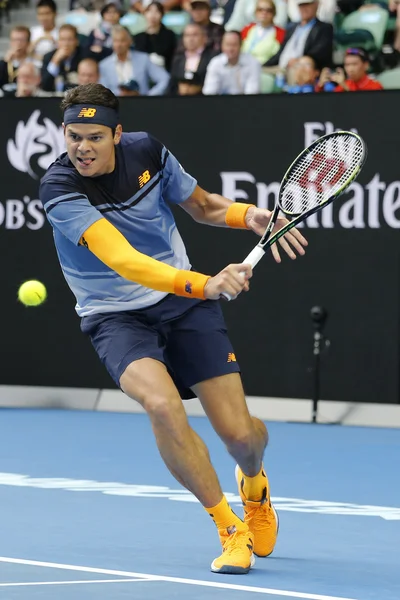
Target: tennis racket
(319, 175)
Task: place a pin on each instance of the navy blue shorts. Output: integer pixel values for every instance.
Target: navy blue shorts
(188, 336)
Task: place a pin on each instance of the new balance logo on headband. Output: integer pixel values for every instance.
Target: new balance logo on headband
(87, 112)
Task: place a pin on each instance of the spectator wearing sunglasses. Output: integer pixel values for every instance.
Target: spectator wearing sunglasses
(353, 78)
(262, 39)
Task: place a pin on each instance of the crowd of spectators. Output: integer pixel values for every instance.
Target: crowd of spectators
(224, 47)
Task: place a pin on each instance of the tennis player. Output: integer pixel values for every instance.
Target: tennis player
(156, 324)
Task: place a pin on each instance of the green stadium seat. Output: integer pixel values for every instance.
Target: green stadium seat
(363, 28)
(134, 22)
(267, 83)
(84, 21)
(176, 21)
(390, 79)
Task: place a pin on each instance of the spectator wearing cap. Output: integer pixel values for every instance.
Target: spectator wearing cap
(232, 72)
(44, 36)
(126, 65)
(200, 11)
(59, 69)
(191, 64)
(262, 39)
(157, 41)
(99, 41)
(353, 78)
(309, 37)
(17, 53)
(88, 71)
(326, 11)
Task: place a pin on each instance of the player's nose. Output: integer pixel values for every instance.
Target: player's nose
(84, 146)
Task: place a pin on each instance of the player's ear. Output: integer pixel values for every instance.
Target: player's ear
(63, 126)
(117, 134)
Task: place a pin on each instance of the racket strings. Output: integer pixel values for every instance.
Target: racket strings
(321, 173)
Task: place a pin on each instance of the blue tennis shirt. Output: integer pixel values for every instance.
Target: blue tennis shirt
(134, 198)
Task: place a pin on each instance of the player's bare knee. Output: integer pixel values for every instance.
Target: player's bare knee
(160, 407)
(240, 442)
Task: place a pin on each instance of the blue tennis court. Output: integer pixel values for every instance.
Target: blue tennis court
(88, 510)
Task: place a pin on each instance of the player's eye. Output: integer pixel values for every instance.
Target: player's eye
(95, 138)
(73, 137)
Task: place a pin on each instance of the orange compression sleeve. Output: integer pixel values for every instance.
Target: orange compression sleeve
(114, 250)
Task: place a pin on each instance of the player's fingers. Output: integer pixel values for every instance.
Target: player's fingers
(233, 284)
(296, 244)
(287, 248)
(300, 238)
(246, 271)
(275, 253)
(240, 272)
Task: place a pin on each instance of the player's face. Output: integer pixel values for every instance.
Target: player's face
(91, 148)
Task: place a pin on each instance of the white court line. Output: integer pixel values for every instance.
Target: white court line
(69, 582)
(200, 582)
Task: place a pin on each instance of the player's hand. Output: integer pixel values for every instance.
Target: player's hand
(257, 220)
(232, 280)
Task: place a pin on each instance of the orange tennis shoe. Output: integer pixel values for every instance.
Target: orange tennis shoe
(261, 517)
(237, 556)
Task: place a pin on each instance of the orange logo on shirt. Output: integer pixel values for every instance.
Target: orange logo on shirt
(87, 112)
(231, 357)
(144, 178)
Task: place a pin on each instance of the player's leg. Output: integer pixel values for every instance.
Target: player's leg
(245, 436)
(147, 381)
(184, 452)
(200, 350)
(133, 355)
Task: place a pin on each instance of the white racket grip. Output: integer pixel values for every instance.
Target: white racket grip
(252, 259)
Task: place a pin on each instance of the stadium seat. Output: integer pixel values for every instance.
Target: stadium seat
(390, 79)
(364, 28)
(135, 22)
(176, 21)
(267, 83)
(84, 21)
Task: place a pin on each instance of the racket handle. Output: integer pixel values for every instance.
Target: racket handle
(252, 259)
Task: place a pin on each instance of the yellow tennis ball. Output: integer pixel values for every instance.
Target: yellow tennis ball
(32, 293)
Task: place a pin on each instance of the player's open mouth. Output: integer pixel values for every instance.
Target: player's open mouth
(85, 162)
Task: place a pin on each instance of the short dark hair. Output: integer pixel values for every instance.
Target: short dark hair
(49, 3)
(71, 28)
(91, 93)
(235, 32)
(158, 6)
(107, 7)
